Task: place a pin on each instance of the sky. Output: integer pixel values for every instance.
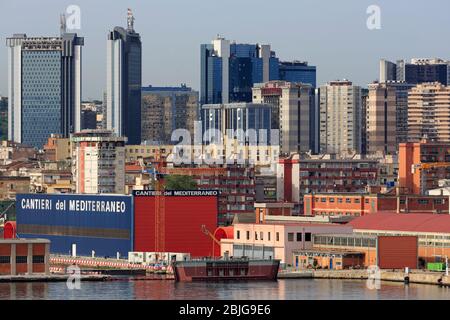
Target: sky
(330, 34)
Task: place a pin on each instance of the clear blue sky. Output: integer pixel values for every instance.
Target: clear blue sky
(328, 33)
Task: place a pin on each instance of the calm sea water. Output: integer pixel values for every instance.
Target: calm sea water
(300, 289)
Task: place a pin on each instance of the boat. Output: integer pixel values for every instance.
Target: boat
(225, 269)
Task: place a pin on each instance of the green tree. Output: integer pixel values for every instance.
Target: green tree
(179, 182)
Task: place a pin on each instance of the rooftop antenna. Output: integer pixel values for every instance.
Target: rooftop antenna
(130, 20)
(63, 23)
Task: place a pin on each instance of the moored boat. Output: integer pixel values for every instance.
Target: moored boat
(228, 269)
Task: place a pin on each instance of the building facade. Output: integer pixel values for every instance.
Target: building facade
(293, 113)
(44, 87)
(299, 72)
(229, 70)
(165, 109)
(340, 118)
(429, 112)
(124, 82)
(98, 162)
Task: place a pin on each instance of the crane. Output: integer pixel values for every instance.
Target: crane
(209, 234)
(160, 205)
(430, 165)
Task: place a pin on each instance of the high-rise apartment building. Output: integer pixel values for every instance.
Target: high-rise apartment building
(387, 116)
(165, 109)
(292, 113)
(429, 112)
(44, 87)
(98, 162)
(124, 82)
(340, 117)
(297, 71)
(229, 70)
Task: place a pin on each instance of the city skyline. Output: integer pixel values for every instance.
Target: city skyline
(300, 33)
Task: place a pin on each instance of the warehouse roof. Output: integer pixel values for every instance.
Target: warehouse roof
(414, 222)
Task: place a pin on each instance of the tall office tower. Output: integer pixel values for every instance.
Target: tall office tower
(388, 71)
(381, 119)
(238, 117)
(124, 82)
(423, 70)
(98, 162)
(292, 113)
(340, 118)
(297, 71)
(429, 112)
(364, 107)
(44, 86)
(229, 70)
(165, 109)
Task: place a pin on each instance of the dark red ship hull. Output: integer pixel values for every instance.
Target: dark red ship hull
(226, 270)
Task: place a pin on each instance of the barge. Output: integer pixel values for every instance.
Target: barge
(221, 270)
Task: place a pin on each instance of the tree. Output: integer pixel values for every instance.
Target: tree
(179, 182)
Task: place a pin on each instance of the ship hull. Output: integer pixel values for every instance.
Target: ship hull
(220, 270)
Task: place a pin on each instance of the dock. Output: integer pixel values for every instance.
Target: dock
(50, 278)
(414, 276)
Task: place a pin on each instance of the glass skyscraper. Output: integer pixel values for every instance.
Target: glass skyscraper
(124, 82)
(44, 87)
(299, 72)
(229, 70)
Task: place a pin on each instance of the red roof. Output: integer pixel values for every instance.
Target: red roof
(433, 223)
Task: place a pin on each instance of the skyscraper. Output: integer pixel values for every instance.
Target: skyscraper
(229, 70)
(292, 113)
(124, 82)
(165, 109)
(297, 71)
(340, 117)
(416, 71)
(44, 87)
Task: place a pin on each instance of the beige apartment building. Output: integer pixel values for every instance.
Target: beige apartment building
(340, 117)
(293, 105)
(429, 112)
(381, 119)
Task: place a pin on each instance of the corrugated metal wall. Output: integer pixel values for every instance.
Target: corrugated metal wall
(59, 219)
(397, 252)
(184, 217)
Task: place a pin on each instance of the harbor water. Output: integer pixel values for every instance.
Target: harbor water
(300, 289)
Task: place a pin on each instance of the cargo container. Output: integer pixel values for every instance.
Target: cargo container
(78, 225)
(185, 213)
(436, 266)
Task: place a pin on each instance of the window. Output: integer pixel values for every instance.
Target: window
(290, 236)
(331, 200)
(238, 234)
(423, 201)
(5, 259)
(308, 236)
(256, 235)
(278, 236)
(268, 236)
(348, 200)
(21, 259)
(299, 236)
(323, 200)
(38, 259)
(261, 235)
(339, 200)
(248, 235)
(357, 201)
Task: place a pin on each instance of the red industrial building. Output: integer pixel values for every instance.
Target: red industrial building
(432, 231)
(185, 212)
(357, 204)
(23, 256)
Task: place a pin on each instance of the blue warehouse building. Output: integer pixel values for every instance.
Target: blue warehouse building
(78, 224)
